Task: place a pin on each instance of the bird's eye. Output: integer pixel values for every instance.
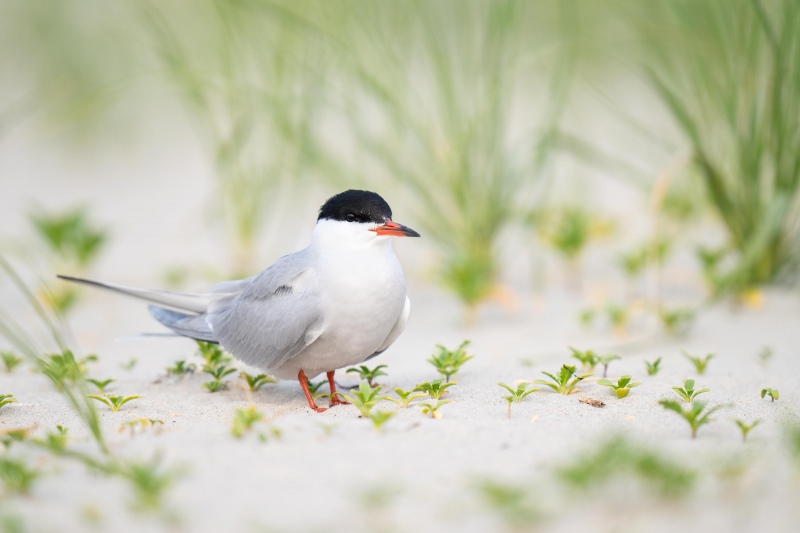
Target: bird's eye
(351, 217)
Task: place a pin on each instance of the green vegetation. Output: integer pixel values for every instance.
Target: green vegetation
(243, 420)
(516, 395)
(773, 393)
(16, 476)
(64, 367)
(562, 384)
(695, 415)
(448, 362)
(100, 384)
(654, 367)
(140, 424)
(688, 392)
(368, 374)
(605, 360)
(514, 504)
(619, 316)
(618, 457)
(181, 368)
(379, 418)
(568, 230)
(634, 261)
(365, 398)
(741, 123)
(149, 482)
(588, 358)
(435, 389)
(10, 361)
(621, 388)
(113, 402)
(700, 363)
(406, 397)
(256, 382)
(432, 409)
(6, 399)
(745, 428)
(215, 365)
(677, 322)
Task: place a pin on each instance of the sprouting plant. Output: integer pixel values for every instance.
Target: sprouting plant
(243, 420)
(687, 392)
(700, 363)
(588, 358)
(745, 428)
(621, 388)
(448, 362)
(765, 355)
(618, 316)
(314, 387)
(654, 367)
(12, 435)
(586, 317)
(695, 414)
(217, 373)
(605, 360)
(129, 364)
(434, 389)
(149, 483)
(516, 505)
(212, 354)
(516, 395)
(64, 367)
(562, 384)
(140, 423)
(6, 399)
(256, 382)
(10, 361)
(181, 367)
(368, 374)
(619, 457)
(16, 476)
(634, 261)
(379, 418)
(773, 393)
(100, 384)
(113, 402)
(432, 409)
(365, 397)
(677, 321)
(406, 397)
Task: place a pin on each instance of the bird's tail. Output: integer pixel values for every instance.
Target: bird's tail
(182, 312)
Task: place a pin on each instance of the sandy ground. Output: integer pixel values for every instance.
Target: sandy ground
(421, 473)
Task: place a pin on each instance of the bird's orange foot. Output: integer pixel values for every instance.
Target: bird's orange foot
(336, 401)
(319, 409)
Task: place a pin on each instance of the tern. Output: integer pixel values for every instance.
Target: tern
(336, 303)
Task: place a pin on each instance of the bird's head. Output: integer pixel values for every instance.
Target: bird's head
(361, 214)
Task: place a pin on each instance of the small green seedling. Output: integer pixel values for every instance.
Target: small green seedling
(765, 355)
(699, 363)
(745, 427)
(687, 392)
(212, 354)
(586, 317)
(516, 505)
(6, 399)
(55, 441)
(677, 322)
(518, 394)
(256, 382)
(379, 418)
(448, 362)
(16, 476)
(695, 414)
(621, 387)
(64, 367)
(654, 367)
(773, 393)
(10, 361)
(113, 402)
(139, 424)
(563, 384)
(217, 373)
(368, 374)
(149, 482)
(432, 409)
(618, 316)
(365, 397)
(181, 368)
(434, 389)
(100, 384)
(588, 358)
(243, 420)
(605, 360)
(314, 387)
(406, 397)
(129, 364)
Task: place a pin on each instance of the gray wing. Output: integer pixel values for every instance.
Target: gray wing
(275, 317)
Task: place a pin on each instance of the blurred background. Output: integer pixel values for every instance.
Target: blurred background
(642, 158)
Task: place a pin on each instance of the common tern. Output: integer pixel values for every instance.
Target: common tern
(336, 303)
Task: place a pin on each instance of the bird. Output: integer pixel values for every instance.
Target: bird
(336, 303)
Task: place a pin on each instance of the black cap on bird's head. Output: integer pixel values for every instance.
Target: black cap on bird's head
(364, 207)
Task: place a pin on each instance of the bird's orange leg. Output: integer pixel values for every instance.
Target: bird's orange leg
(335, 400)
(301, 377)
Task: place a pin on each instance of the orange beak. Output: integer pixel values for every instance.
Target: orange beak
(394, 229)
